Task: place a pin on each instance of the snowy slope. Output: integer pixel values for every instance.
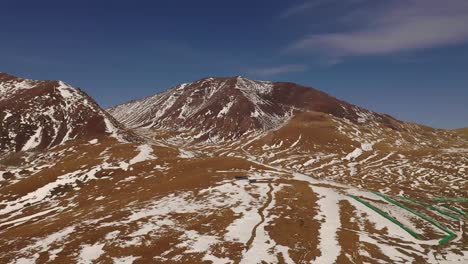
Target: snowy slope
(231, 107)
(224, 107)
(42, 114)
(106, 201)
(315, 189)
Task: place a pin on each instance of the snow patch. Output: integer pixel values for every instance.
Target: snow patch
(93, 141)
(89, 253)
(185, 154)
(65, 90)
(125, 260)
(144, 155)
(34, 140)
(225, 109)
(330, 215)
(354, 155)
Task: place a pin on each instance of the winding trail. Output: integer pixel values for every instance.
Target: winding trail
(262, 216)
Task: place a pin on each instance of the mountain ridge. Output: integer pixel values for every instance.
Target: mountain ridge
(255, 105)
(42, 114)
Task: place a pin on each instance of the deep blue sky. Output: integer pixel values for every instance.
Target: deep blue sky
(407, 58)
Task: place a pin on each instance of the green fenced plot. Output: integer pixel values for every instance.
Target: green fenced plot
(456, 210)
(450, 234)
(384, 214)
(433, 208)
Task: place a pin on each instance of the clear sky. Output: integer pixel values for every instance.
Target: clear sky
(407, 58)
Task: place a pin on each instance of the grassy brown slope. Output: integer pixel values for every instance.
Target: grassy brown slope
(463, 132)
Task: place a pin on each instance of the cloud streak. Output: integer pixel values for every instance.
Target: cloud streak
(300, 8)
(403, 25)
(277, 70)
(316, 4)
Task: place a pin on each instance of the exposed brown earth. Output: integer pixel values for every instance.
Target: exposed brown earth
(231, 107)
(173, 197)
(43, 114)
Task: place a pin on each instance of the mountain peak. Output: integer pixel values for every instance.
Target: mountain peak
(10, 83)
(4, 75)
(42, 114)
(228, 107)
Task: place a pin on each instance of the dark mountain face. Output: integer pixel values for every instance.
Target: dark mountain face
(42, 114)
(230, 107)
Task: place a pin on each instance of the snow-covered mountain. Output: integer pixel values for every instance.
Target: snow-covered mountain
(42, 114)
(318, 180)
(231, 107)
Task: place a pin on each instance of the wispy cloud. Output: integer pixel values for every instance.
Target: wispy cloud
(399, 25)
(277, 70)
(300, 8)
(306, 6)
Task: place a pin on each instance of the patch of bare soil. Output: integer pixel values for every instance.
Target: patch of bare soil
(294, 225)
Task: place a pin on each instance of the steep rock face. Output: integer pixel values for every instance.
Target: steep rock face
(230, 107)
(42, 114)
